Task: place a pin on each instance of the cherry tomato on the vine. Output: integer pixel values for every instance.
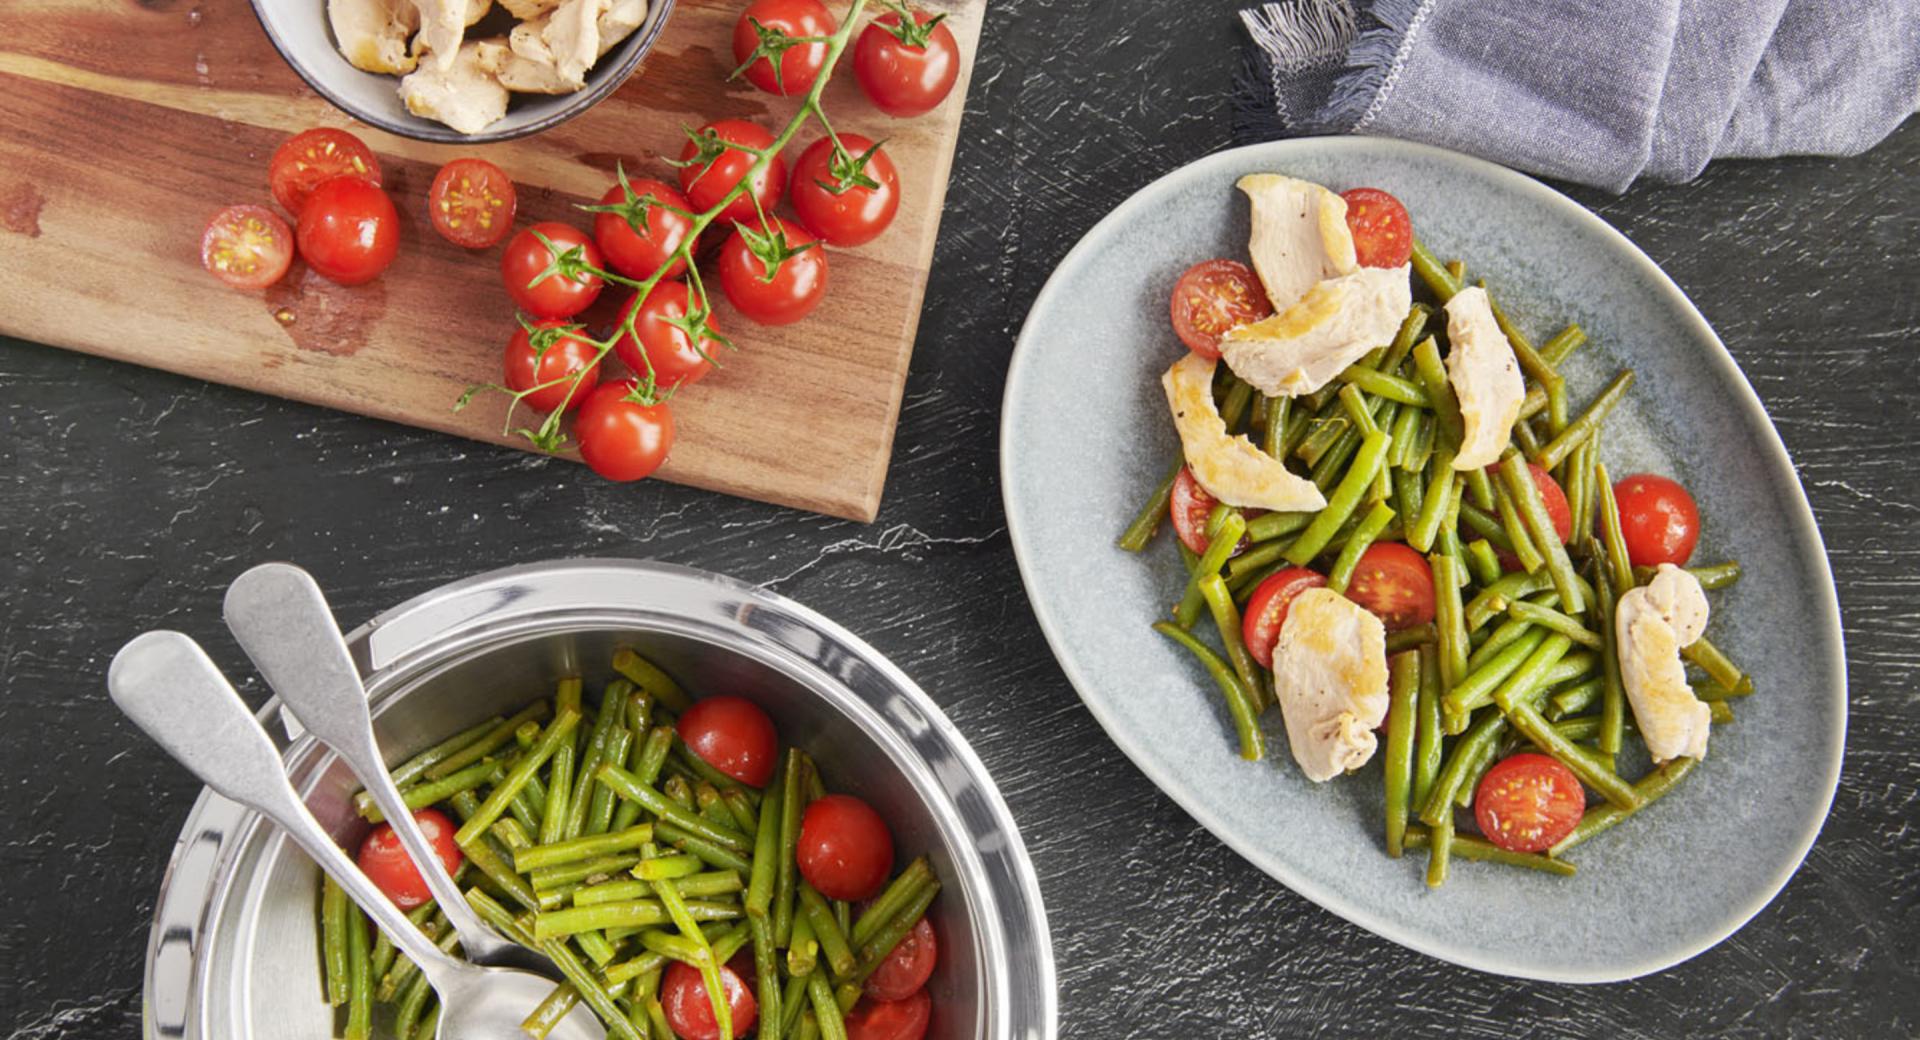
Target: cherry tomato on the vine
(1395, 583)
(845, 849)
(1659, 518)
(1267, 609)
(620, 436)
(908, 967)
(1213, 296)
(799, 63)
(846, 198)
(798, 266)
(712, 169)
(247, 247)
(1382, 231)
(662, 346)
(890, 1019)
(310, 158)
(471, 203)
(638, 253)
(1527, 802)
(557, 295)
(733, 735)
(689, 1007)
(348, 230)
(906, 70)
(386, 863)
(564, 354)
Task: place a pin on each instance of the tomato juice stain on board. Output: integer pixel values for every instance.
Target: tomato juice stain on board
(20, 206)
(322, 317)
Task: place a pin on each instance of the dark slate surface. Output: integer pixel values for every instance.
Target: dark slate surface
(128, 498)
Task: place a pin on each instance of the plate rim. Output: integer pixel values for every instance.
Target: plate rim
(1803, 529)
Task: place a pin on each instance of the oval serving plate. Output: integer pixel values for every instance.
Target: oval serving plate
(1085, 435)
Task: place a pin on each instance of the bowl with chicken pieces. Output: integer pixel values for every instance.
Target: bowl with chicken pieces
(463, 71)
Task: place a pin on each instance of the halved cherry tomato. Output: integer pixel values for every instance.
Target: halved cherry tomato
(906, 71)
(310, 158)
(1659, 518)
(247, 247)
(564, 356)
(830, 198)
(908, 967)
(1395, 583)
(800, 64)
(797, 283)
(631, 251)
(349, 231)
(1212, 297)
(1526, 802)
(1267, 609)
(526, 258)
(665, 347)
(1382, 231)
(471, 203)
(707, 178)
(845, 849)
(733, 735)
(620, 437)
(890, 1019)
(1558, 510)
(385, 861)
(689, 1008)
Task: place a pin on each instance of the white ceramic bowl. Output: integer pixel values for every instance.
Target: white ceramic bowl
(299, 31)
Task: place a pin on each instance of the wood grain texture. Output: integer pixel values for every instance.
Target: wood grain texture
(129, 498)
(185, 101)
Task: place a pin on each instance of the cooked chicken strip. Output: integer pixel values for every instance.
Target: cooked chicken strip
(1230, 468)
(1651, 625)
(1330, 677)
(572, 33)
(443, 25)
(518, 72)
(1485, 377)
(464, 96)
(619, 21)
(373, 33)
(1302, 348)
(1300, 235)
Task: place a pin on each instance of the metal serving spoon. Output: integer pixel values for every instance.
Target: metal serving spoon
(282, 620)
(167, 685)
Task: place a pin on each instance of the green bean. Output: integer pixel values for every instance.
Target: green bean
(1527, 719)
(580, 797)
(416, 767)
(1547, 617)
(496, 738)
(1234, 408)
(1227, 620)
(553, 815)
(1410, 496)
(1492, 601)
(1526, 496)
(432, 792)
(826, 1010)
(384, 952)
(833, 941)
(648, 762)
(657, 684)
(766, 851)
(1405, 428)
(1479, 488)
(1448, 539)
(1612, 539)
(1433, 272)
(803, 951)
(1718, 666)
(394, 980)
(1713, 691)
(1574, 667)
(412, 1002)
(1576, 698)
(1710, 576)
(1536, 367)
(556, 736)
(889, 935)
(712, 855)
(1363, 536)
(1612, 692)
(1719, 712)
(1466, 846)
(1333, 465)
(1563, 343)
(629, 786)
(655, 868)
(1449, 619)
(1218, 549)
(1439, 850)
(1483, 735)
(638, 913)
(1519, 540)
(793, 803)
(1479, 685)
(601, 804)
(1482, 562)
(429, 1026)
(1322, 434)
(1529, 682)
(595, 995)
(574, 873)
(1499, 639)
(1269, 526)
(1556, 450)
(549, 1012)
(688, 925)
(1382, 384)
(1428, 735)
(1648, 789)
(1433, 377)
(891, 902)
(1442, 484)
(1343, 501)
(1354, 404)
(1273, 436)
(1402, 715)
(1239, 701)
(334, 908)
(359, 978)
(1411, 638)
(1476, 769)
(577, 849)
(1411, 328)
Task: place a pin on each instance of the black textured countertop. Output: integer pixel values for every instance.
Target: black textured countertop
(129, 498)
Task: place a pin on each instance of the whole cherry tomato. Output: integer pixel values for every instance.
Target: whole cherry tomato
(622, 437)
(386, 863)
(906, 70)
(712, 168)
(847, 197)
(845, 849)
(798, 266)
(348, 230)
(527, 259)
(637, 236)
(660, 346)
(800, 64)
(689, 1007)
(733, 735)
(1659, 518)
(562, 355)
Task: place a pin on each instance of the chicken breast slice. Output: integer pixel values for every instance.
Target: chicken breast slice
(373, 33)
(1302, 348)
(527, 10)
(1651, 625)
(1330, 677)
(443, 26)
(1230, 468)
(1299, 238)
(572, 33)
(619, 21)
(1485, 377)
(464, 96)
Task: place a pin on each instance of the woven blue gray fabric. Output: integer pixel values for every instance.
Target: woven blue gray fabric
(1593, 92)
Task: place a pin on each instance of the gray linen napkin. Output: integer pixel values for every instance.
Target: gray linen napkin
(1596, 92)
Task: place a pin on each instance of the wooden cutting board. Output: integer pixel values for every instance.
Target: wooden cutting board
(127, 124)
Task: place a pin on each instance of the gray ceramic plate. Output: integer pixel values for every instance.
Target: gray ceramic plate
(1085, 435)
